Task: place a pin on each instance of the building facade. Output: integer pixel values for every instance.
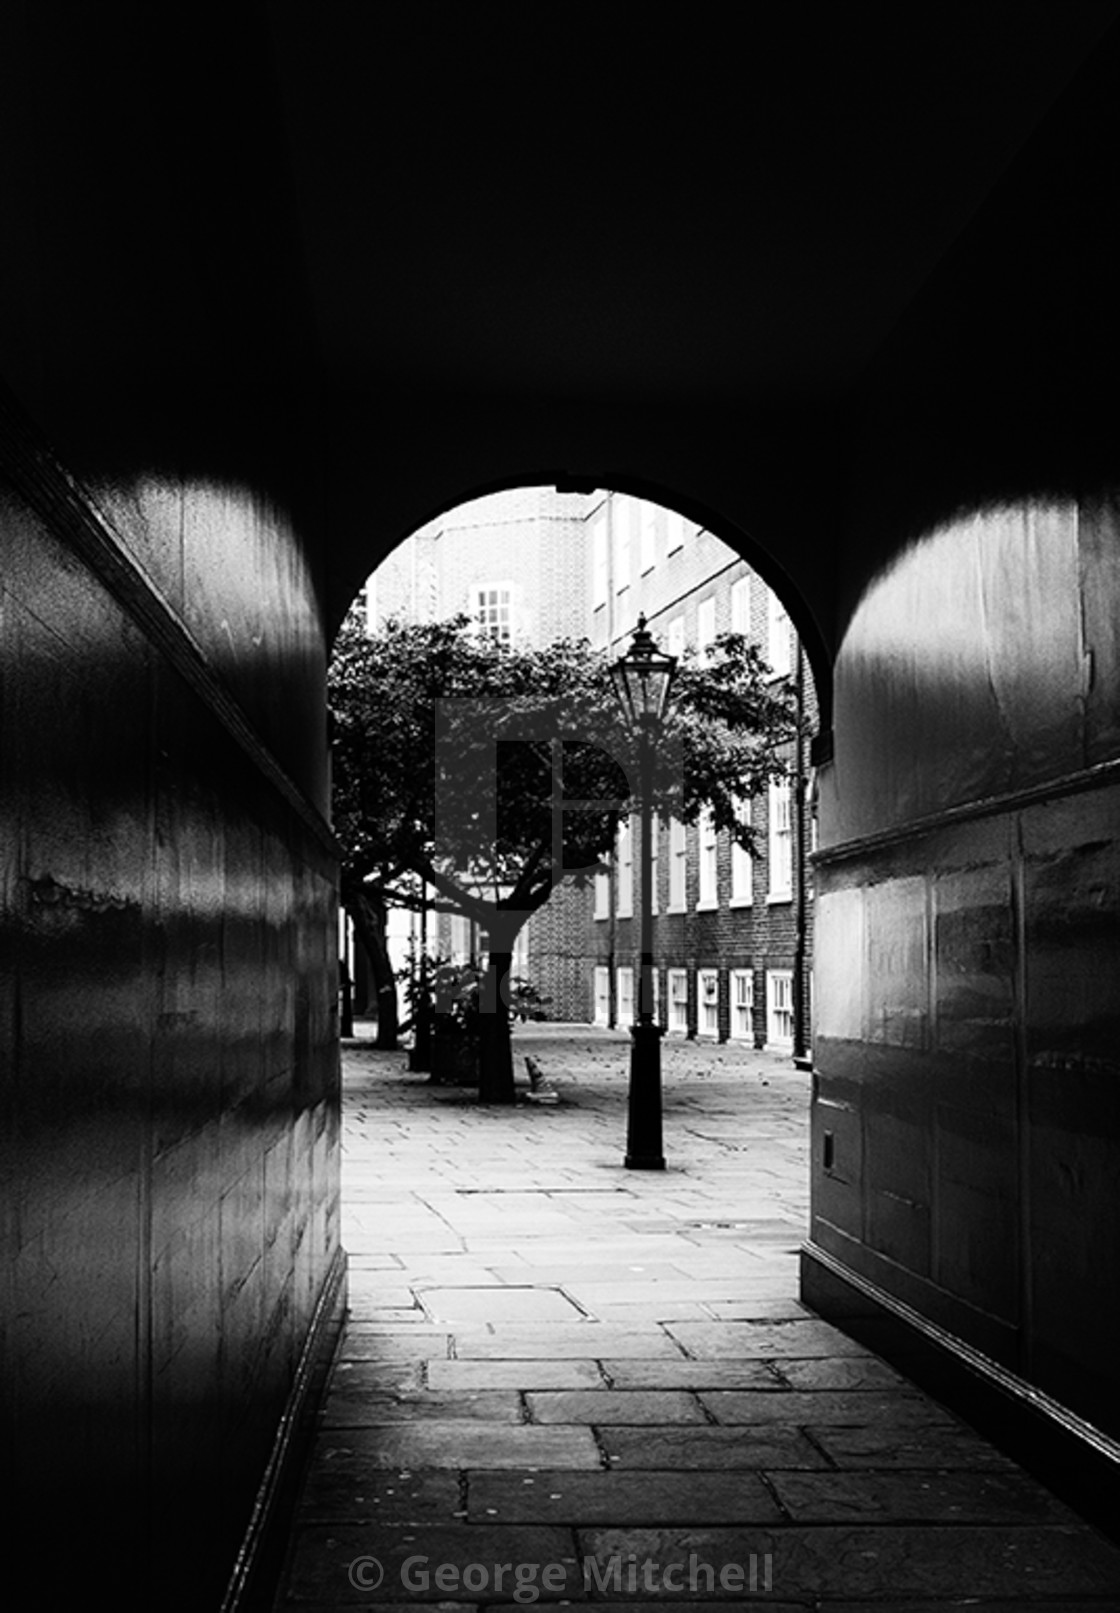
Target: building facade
(514, 562)
(733, 931)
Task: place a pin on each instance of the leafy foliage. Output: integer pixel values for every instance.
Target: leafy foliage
(493, 772)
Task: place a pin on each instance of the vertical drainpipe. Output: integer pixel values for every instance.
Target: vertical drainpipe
(800, 1050)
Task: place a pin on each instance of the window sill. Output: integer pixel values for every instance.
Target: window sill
(778, 898)
(710, 906)
(741, 901)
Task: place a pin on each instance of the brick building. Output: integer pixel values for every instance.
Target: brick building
(733, 933)
(516, 562)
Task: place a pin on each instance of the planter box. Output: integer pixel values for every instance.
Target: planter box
(454, 1058)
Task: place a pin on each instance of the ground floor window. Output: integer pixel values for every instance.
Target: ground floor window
(654, 1004)
(624, 983)
(707, 1002)
(460, 943)
(742, 1005)
(779, 1007)
(602, 996)
(677, 987)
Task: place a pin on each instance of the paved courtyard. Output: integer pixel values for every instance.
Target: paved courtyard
(566, 1381)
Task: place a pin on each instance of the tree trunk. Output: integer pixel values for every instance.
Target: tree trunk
(368, 918)
(495, 1074)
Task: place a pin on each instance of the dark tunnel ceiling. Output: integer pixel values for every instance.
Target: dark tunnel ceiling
(610, 200)
(767, 260)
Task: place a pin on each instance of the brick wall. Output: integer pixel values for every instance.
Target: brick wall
(558, 955)
(531, 539)
(691, 567)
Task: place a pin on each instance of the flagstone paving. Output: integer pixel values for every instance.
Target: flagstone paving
(568, 1382)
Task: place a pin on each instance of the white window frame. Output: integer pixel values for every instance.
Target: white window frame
(779, 839)
(647, 536)
(674, 637)
(678, 866)
(600, 556)
(601, 994)
(676, 989)
(624, 994)
(621, 512)
(655, 863)
(707, 1002)
(707, 862)
(602, 896)
(742, 864)
(624, 866)
(741, 606)
(779, 633)
(480, 606)
(740, 990)
(459, 938)
(674, 538)
(779, 1008)
(705, 625)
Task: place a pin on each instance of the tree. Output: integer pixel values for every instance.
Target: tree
(491, 773)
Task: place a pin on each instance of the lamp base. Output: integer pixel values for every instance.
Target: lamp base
(643, 1132)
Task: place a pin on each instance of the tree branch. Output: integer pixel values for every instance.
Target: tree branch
(468, 905)
(524, 883)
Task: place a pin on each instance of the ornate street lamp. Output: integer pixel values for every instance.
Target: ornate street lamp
(642, 678)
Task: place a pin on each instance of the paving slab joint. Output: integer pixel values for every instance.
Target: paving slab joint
(772, 1491)
(604, 1455)
(810, 1439)
(708, 1414)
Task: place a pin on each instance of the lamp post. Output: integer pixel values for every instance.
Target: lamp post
(641, 679)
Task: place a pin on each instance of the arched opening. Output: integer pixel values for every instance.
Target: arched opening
(533, 564)
(697, 514)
